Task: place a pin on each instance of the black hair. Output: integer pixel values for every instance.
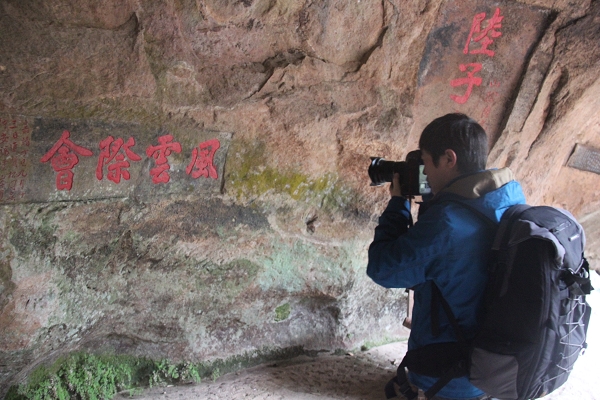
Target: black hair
(461, 134)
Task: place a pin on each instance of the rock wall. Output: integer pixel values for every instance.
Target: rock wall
(254, 237)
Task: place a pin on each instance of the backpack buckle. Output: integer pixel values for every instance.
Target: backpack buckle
(403, 386)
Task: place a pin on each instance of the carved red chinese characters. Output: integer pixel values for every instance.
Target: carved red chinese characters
(484, 37)
(202, 160)
(64, 157)
(116, 155)
(112, 157)
(160, 153)
(14, 149)
(471, 80)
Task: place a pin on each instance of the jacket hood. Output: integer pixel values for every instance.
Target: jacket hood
(475, 185)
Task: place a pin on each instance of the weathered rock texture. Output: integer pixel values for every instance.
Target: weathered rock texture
(271, 255)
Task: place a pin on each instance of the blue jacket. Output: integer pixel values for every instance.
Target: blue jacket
(448, 245)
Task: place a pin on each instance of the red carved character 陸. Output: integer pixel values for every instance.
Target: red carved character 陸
(484, 36)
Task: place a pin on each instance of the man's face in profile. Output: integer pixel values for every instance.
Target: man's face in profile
(439, 176)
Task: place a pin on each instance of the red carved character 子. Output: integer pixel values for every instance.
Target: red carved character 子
(202, 163)
(484, 36)
(64, 157)
(471, 80)
(111, 156)
(160, 153)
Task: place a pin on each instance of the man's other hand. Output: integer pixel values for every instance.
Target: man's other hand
(395, 186)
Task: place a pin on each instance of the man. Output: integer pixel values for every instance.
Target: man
(448, 245)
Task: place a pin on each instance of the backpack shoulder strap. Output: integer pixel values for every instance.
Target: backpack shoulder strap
(437, 300)
(515, 211)
(506, 222)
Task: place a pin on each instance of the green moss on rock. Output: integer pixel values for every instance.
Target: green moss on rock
(282, 312)
(37, 237)
(90, 376)
(251, 176)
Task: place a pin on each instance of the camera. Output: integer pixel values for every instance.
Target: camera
(413, 182)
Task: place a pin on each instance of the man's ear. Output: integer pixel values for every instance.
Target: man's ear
(450, 158)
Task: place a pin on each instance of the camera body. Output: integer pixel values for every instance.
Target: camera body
(412, 180)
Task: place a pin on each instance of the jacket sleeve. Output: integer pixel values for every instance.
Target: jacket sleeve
(403, 257)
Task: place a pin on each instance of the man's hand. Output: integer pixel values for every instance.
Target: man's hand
(395, 186)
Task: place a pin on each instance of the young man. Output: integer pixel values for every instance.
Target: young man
(449, 244)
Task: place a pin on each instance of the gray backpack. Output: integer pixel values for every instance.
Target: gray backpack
(536, 316)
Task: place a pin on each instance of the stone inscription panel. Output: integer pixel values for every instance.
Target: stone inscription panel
(474, 58)
(63, 160)
(585, 158)
(15, 166)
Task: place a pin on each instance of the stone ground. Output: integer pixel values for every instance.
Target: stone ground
(356, 376)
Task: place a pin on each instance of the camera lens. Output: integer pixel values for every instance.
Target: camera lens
(411, 178)
(381, 171)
